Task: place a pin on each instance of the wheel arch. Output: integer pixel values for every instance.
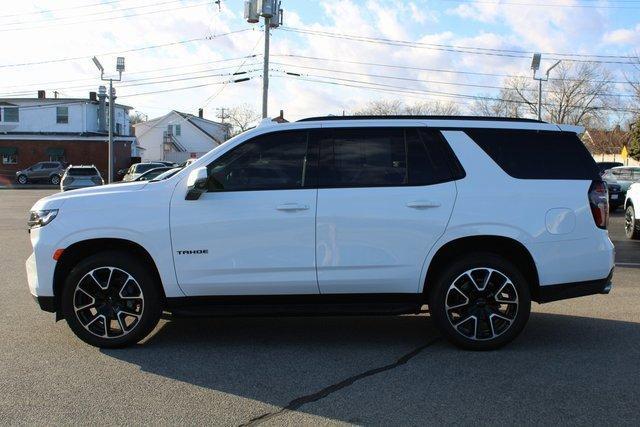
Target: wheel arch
(506, 247)
(76, 252)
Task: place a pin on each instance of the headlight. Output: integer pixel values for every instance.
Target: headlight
(41, 218)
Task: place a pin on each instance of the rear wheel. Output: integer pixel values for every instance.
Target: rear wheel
(55, 179)
(480, 302)
(110, 300)
(631, 224)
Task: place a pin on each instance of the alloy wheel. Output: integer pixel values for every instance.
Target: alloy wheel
(481, 303)
(108, 302)
(55, 180)
(629, 222)
(22, 179)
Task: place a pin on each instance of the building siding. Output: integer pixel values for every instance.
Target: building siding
(76, 152)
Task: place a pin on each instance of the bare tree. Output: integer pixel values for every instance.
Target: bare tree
(504, 105)
(398, 107)
(241, 118)
(137, 117)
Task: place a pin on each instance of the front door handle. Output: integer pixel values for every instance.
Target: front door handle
(422, 204)
(292, 207)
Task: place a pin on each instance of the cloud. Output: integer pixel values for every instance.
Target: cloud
(623, 36)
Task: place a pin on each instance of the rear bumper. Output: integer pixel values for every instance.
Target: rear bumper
(573, 290)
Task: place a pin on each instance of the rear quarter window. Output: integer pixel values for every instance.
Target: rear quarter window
(526, 154)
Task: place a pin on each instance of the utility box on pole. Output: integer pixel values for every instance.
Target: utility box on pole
(271, 12)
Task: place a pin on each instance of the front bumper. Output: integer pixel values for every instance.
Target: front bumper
(46, 303)
(573, 290)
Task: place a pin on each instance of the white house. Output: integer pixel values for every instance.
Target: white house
(72, 130)
(178, 136)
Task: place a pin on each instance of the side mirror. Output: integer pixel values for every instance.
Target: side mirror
(197, 183)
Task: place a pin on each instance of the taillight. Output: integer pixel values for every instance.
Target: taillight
(599, 203)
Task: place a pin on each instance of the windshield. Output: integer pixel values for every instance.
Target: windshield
(166, 174)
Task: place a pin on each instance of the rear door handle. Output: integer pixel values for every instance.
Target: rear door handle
(292, 207)
(422, 204)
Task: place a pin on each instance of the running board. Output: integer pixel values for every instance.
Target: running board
(296, 305)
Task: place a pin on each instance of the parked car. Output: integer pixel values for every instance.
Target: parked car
(473, 217)
(604, 166)
(187, 162)
(140, 168)
(632, 212)
(167, 174)
(616, 196)
(171, 164)
(80, 176)
(624, 176)
(41, 172)
(153, 173)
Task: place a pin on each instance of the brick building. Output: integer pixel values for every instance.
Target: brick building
(73, 130)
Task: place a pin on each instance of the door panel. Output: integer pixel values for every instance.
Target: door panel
(253, 232)
(374, 239)
(252, 246)
(370, 241)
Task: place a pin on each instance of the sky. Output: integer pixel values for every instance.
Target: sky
(340, 54)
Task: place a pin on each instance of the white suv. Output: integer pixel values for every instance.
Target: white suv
(474, 217)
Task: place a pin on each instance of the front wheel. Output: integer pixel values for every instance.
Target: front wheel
(22, 179)
(480, 302)
(631, 224)
(110, 300)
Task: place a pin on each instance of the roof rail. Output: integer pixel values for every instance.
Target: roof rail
(419, 117)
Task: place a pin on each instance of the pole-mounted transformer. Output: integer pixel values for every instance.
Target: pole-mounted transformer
(271, 12)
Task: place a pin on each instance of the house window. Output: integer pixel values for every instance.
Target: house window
(56, 154)
(9, 155)
(170, 130)
(118, 128)
(11, 114)
(62, 114)
(178, 130)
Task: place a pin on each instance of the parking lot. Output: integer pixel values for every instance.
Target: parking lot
(577, 362)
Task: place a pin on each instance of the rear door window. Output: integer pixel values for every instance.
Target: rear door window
(383, 157)
(529, 154)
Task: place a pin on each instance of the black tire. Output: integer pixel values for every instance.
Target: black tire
(496, 322)
(140, 306)
(54, 179)
(631, 224)
(22, 179)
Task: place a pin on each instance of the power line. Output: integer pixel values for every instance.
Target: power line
(401, 89)
(428, 81)
(461, 49)
(437, 70)
(38, 12)
(101, 12)
(147, 71)
(74, 58)
(84, 21)
(584, 6)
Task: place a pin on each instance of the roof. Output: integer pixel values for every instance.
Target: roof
(191, 119)
(61, 101)
(419, 117)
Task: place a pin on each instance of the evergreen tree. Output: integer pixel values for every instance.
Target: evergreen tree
(634, 142)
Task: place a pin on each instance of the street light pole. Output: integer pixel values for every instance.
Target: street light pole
(535, 66)
(112, 98)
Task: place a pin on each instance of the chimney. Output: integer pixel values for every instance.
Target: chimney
(41, 94)
(200, 113)
(102, 109)
(93, 96)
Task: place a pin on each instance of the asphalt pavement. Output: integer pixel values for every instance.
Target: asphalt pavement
(575, 363)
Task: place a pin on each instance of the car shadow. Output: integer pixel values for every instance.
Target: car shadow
(278, 360)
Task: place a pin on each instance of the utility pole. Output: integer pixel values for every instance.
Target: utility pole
(222, 116)
(112, 98)
(535, 66)
(271, 12)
